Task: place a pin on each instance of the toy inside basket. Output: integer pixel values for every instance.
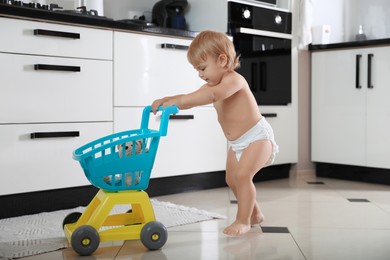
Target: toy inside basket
(121, 161)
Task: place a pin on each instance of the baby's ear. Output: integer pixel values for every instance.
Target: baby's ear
(223, 60)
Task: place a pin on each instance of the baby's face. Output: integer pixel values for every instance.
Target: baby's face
(210, 70)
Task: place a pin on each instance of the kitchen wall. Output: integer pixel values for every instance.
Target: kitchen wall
(301, 76)
(119, 9)
(372, 14)
(345, 16)
(330, 12)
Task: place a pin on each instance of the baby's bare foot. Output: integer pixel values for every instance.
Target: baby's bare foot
(257, 219)
(237, 229)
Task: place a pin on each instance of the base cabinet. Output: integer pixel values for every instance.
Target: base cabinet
(56, 95)
(350, 108)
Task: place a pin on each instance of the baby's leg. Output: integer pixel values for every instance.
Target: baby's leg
(257, 217)
(231, 168)
(252, 160)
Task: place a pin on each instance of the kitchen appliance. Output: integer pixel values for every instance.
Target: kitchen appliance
(170, 13)
(269, 2)
(262, 36)
(55, 7)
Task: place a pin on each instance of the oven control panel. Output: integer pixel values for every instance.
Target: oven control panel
(260, 18)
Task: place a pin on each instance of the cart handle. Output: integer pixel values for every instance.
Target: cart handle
(166, 112)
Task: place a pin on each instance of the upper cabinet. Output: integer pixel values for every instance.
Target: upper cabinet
(350, 108)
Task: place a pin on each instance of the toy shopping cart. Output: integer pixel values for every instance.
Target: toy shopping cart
(120, 165)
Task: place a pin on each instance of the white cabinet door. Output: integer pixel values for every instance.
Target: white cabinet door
(28, 165)
(378, 109)
(191, 146)
(148, 67)
(338, 108)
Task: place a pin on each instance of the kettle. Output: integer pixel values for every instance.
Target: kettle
(170, 13)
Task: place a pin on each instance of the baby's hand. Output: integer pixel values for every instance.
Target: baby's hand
(155, 105)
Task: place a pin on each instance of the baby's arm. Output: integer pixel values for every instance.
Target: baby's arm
(161, 101)
(209, 94)
(204, 95)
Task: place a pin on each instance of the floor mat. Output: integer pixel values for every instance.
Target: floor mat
(40, 233)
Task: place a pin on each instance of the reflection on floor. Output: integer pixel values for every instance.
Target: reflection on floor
(305, 218)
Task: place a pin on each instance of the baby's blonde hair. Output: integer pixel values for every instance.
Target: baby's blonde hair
(212, 43)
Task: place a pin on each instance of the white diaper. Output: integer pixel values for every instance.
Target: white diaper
(261, 131)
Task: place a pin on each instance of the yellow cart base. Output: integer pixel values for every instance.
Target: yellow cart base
(85, 231)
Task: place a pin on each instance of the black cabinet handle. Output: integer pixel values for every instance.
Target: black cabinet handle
(174, 46)
(369, 70)
(54, 134)
(57, 34)
(57, 67)
(181, 117)
(270, 115)
(358, 57)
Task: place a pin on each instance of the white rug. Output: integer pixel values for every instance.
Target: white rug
(40, 233)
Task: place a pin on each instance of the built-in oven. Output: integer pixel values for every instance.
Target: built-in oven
(262, 38)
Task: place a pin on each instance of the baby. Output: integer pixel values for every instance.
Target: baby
(251, 138)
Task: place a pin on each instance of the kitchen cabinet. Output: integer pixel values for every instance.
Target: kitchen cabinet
(350, 108)
(56, 95)
(29, 164)
(147, 67)
(45, 95)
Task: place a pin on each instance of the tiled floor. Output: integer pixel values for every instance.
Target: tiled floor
(320, 220)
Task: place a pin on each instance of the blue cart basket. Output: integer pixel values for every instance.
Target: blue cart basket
(124, 160)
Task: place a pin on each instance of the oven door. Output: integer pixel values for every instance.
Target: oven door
(266, 65)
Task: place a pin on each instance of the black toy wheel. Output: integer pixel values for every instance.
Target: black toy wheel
(71, 218)
(154, 235)
(85, 240)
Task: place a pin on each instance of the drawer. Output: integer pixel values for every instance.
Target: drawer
(20, 36)
(192, 145)
(45, 95)
(28, 165)
(151, 68)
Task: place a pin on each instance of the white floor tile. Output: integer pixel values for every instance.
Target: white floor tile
(323, 224)
(341, 244)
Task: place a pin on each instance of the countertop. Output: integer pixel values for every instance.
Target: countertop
(348, 45)
(27, 13)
